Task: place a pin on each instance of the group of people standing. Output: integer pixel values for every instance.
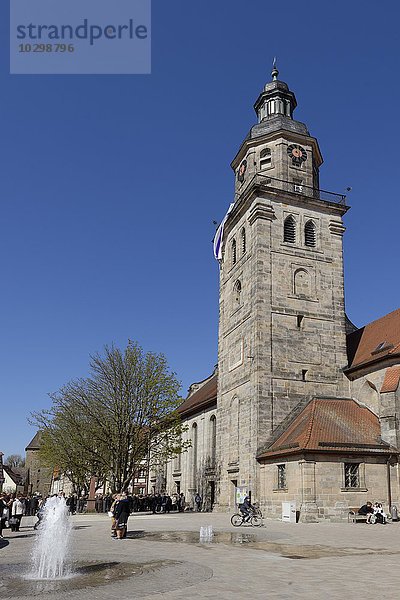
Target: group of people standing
(13, 507)
(155, 503)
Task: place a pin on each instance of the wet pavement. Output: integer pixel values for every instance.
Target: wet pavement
(294, 551)
(16, 582)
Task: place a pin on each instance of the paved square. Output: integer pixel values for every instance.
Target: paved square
(166, 560)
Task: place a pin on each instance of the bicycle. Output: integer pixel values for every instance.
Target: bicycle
(238, 519)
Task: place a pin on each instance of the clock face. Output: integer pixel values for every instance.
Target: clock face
(242, 170)
(297, 154)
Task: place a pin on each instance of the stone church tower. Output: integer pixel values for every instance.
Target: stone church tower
(282, 337)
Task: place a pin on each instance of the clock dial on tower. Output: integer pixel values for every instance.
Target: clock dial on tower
(297, 154)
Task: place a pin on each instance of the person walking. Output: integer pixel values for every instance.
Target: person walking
(34, 505)
(17, 510)
(197, 501)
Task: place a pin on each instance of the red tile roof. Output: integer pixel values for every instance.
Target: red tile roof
(392, 379)
(331, 424)
(377, 340)
(202, 398)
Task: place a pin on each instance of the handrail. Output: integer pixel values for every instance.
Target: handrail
(296, 188)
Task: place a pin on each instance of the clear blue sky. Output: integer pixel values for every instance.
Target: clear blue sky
(109, 184)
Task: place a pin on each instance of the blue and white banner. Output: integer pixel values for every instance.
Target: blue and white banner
(219, 234)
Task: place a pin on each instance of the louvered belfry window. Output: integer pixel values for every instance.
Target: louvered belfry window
(289, 230)
(309, 234)
(243, 240)
(234, 252)
(265, 158)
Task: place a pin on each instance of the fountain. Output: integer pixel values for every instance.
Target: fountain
(50, 550)
(206, 534)
(52, 571)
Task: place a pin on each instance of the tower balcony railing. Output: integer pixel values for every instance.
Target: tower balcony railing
(292, 187)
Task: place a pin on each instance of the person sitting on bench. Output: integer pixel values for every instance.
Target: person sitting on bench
(367, 511)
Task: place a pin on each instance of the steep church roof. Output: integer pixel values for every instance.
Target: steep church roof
(202, 398)
(34, 444)
(334, 425)
(377, 340)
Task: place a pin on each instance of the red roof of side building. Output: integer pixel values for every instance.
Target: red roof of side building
(377, 340)
(202, 398)
(333, 425)
(392, 379)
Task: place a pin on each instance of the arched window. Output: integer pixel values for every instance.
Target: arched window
(178, 462)
(243, 240)
(289, 230)
(237, 293)
(234, 430)
(213, 439)
(310, 234)
(234, 252)
(194, 454)
(265, 158)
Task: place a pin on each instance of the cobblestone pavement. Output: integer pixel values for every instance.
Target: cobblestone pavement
(278, 561)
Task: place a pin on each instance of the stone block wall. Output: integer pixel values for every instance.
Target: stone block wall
(194, 467)
(279, 344)
(332, 500)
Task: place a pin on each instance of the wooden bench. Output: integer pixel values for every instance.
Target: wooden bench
(353, 515)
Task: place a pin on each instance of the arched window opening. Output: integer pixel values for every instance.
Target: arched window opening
(265, 158)
(243, 240)
(234, 252)
(213, 439)
(237, 292)
(178, 461)
(310, 234)
(289, 230)
(194, 454)
(234, 430)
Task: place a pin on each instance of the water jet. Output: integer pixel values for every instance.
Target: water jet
(51, 547)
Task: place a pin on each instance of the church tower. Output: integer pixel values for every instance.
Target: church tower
(282, 336)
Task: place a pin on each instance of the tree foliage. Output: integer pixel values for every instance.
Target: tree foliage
(14, 460)
(106, 425)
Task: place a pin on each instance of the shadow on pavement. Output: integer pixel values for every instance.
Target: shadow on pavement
(3, 543)
(135, 535)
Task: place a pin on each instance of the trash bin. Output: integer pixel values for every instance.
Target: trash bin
(394, 513)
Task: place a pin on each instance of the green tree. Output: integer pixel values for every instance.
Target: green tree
(108, 424)
(14, 460)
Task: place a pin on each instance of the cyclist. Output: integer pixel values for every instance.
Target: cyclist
(246, 508)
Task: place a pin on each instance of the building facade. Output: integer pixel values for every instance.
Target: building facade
(290, 364)
(38, 476)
